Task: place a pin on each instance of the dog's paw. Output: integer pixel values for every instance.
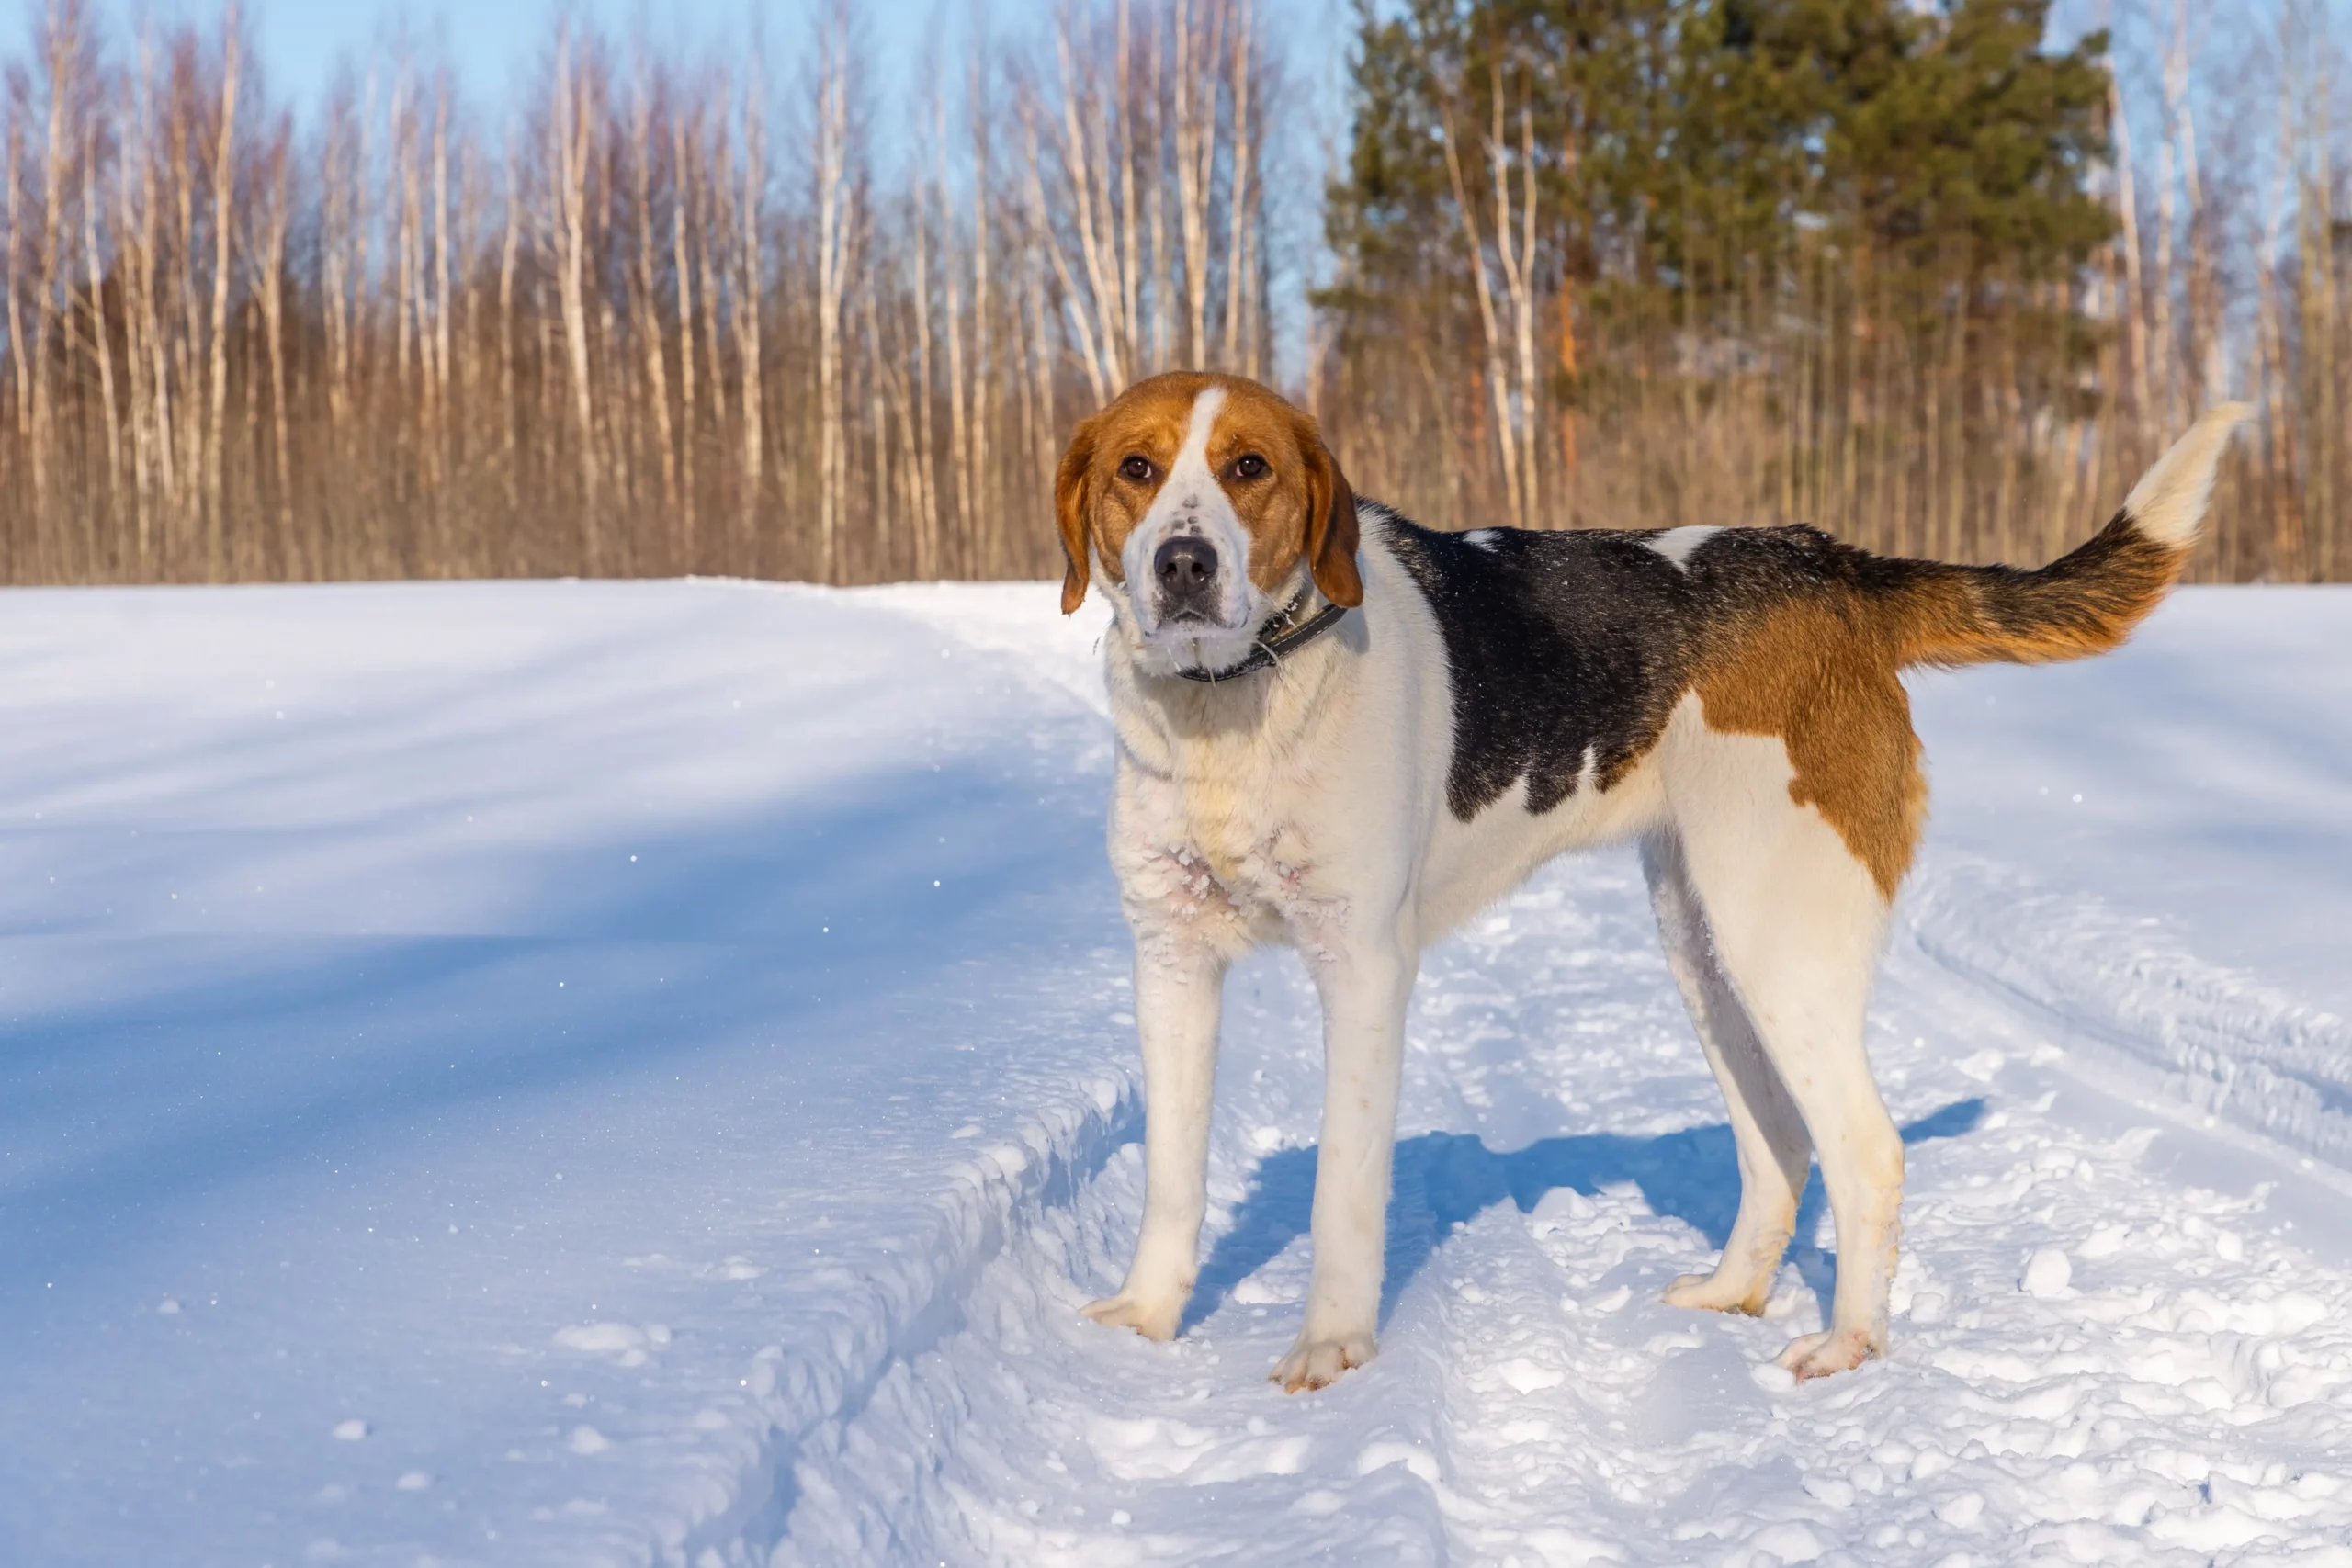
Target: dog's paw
(1317, 1363)
(1152, 1319)
(1713, 1292)
(1832, 1350)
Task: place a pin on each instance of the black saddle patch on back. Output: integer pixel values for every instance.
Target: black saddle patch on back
(1560, 645)
(1569, 646)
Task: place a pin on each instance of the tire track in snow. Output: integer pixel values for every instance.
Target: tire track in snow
(2124, 993)
(807, 1400)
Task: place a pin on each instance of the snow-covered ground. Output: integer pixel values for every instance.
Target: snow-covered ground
(641, 1072)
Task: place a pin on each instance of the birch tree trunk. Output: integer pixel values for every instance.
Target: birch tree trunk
(223, 192)
(751, 285)
(572, 127)
(835, 219)
(1490, 331)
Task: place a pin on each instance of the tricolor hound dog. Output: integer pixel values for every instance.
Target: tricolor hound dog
(1347, 733)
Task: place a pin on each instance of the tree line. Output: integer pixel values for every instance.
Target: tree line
(1920, 276)
(667, 315)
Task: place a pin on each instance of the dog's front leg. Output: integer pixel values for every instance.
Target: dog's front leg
(1364, 988)
(1179, 988)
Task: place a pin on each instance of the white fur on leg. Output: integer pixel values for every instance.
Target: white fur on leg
(1797, 924)
(1365, 987)
(1775, 1153)
(1178, 998)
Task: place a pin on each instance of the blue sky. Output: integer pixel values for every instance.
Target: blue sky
(302, 40)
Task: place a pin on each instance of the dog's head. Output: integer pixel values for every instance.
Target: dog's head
(1208, 503)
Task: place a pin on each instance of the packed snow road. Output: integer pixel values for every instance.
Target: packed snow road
(574, 1073)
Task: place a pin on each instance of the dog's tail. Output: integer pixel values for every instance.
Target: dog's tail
(2085, 602)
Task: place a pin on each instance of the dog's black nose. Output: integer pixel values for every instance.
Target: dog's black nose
(1186, 568)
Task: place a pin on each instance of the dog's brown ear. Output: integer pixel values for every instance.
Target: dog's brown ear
(1070, 509)
(1330, 520)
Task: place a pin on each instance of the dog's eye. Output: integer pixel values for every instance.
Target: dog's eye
(1248, 466)
(1137, 469)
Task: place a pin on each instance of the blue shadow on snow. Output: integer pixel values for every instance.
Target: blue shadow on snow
(1445, 1179)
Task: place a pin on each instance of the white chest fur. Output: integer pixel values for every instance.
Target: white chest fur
(1222, 843)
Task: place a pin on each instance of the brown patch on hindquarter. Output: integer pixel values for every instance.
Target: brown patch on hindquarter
(1820, 667)
(1816, 673)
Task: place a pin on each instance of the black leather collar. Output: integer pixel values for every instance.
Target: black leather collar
(1269, 651)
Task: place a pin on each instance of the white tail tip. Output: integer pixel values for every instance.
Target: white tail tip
(2170, 500)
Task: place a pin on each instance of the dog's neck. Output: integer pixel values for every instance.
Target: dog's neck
(1174, 723)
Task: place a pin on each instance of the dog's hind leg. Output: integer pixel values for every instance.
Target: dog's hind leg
(1797, 921)
(1774, 1152)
